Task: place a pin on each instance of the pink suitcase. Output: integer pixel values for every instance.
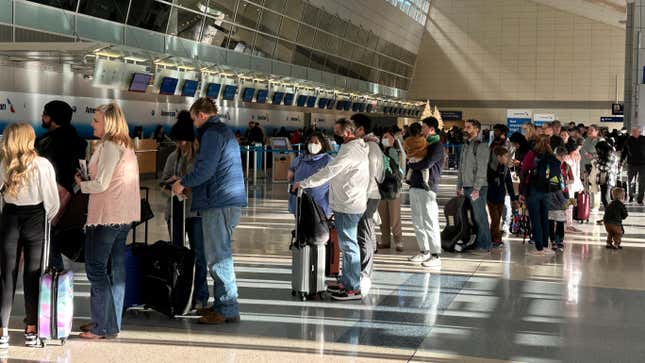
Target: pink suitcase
(583, 208)
(55, 300)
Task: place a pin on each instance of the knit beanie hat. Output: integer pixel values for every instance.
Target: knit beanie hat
(60, 112)
(183, 130)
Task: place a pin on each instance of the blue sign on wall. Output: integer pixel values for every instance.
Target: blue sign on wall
(515, 124)
(612, 119)
(451, 115)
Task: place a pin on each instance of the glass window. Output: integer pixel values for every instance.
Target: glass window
(61, 4)
(191, 4)
(306, 35)
(149, 15)
(216, 32)
(289, 29)
(317, 60)
(338, 26)
(331, 64)
(301, 56)
(241, 40)
(294, 8)
(284, 51)
(270, 23)
(114, 10)
(185, 24)
(277, 5)
(310, 15)
(222, 8)
(265, 45)
(327, 43)
(248, 15)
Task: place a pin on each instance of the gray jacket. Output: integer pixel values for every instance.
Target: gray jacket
(175, 166)
(473, 165)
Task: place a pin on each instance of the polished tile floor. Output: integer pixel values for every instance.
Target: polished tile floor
(584, 305)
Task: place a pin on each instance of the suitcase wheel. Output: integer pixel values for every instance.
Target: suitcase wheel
(43, 343)
(303, 296)
(320, 295)
(62, 342)
(293, 292)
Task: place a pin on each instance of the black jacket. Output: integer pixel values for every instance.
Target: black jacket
(63, 148)
(432, 161)
(634, 151)
(615, 213)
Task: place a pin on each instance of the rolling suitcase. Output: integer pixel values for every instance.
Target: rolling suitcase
(332, 253)
(307, 263)
(133, 253)
(55, 299)
(582, 209)
(168, 271)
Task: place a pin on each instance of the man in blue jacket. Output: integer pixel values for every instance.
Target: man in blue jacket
(217, 184)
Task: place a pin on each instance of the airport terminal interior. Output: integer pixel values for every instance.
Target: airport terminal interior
(282, 68)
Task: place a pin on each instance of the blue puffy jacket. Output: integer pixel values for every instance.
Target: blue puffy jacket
(217, 179)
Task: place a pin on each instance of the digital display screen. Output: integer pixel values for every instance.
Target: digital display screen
(212, 91)
(370, 107)
(247, 94)
(288, 99)
(347, 105)
(190, 88)
(229, 92)
(262, 96)
(311, 101)
(355, 106)
(168, 86)
(279, 143)
(330, 104)
(339, 105)
(302, 99)
(277, 98)
(361, 107)
(139, 82)
(322, 103)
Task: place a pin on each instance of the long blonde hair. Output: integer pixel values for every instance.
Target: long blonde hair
(116, 128)
(189, 153)
(18, 154)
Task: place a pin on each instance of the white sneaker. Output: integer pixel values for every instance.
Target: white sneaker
(420, 257)
(432, 262)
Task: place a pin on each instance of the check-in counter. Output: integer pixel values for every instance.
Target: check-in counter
(146, 152)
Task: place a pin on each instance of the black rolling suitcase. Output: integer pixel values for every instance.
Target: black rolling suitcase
(308, 256)
(168, 272)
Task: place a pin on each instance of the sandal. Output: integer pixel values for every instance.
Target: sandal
(90, 336)
(87, 327)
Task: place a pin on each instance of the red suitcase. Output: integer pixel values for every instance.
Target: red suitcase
(583, 208)
(332, 261)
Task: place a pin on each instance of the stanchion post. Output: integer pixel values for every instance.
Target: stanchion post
(264, 159)
(255, 165)
(247, 162)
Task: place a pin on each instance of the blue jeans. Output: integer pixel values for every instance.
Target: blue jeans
(347, 228)
(539, 215)
(218, 225)
(480, 217)
(106, 245)
(196, 238)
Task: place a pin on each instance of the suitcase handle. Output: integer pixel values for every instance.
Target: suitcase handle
(183, 221)
(46, 245)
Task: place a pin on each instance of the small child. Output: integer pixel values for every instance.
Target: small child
(615, 213)
(499, 184)
(557, 216)
(416, 149)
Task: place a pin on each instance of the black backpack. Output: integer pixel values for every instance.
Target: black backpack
(391, 185)
(546, 176)
(460, 231)
(312, 226)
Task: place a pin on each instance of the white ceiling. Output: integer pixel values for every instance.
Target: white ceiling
(610, 12)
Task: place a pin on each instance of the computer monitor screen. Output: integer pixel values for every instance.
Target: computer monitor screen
(262, 96)
(340, 105)
(247, 94)
(347, 105)
(279, 143)
(355, 107)
(139, 82)
(322, 103)
(370, 107)
(277, 98)
(229, 92)
(212, 91)
(330, 104)
(302, 99)
(311, 101)
(288, 99)
(361, 107)
(168, 86)
(190, 88)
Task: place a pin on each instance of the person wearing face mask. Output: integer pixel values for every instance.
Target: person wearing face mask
(305, 165)
(390, 209)
(348, 175)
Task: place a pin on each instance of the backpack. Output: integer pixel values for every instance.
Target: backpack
(546, 175)
(312, 227)
(460, 231)
(391, 184)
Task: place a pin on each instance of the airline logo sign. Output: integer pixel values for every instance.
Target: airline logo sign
(7, 106)
(516, 118)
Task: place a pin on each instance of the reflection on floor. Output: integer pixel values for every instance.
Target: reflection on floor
(584, 305)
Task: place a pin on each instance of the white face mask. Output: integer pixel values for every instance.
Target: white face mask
(314, 148)
(386, 143)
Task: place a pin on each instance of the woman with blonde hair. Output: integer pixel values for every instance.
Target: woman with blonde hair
(114, 204)
(30, 195)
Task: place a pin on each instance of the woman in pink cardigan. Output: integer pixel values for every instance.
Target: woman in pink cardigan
(113, 205)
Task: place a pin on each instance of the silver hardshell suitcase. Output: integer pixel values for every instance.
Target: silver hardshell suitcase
(307, 265)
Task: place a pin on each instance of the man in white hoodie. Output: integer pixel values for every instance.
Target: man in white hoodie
(347, 174)
(367, 224)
